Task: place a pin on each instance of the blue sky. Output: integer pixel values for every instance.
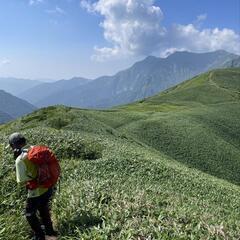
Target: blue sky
(220, 13)
(58, 39)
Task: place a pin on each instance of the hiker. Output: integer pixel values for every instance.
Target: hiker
(38, 197)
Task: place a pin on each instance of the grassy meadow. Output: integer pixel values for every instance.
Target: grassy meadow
(166, 167)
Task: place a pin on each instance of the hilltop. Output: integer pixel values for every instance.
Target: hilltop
(166, 167)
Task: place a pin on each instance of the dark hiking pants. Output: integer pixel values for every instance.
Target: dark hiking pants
(41, 205)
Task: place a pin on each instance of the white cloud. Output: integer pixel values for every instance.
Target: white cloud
(87, 5)
(33, 2)
(164, 53)
(134, 27)
(102, 54)
(56, 10)
(4, 62)
(202, 17)
(193, 39)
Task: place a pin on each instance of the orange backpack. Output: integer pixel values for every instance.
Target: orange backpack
(48, 167)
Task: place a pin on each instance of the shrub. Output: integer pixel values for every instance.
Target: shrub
(58, 122)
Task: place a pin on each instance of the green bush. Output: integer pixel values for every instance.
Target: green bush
(65, 144)
(58, 122)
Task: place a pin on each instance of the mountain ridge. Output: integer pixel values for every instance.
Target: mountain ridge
(145, 78)
(4, 117)
(17, 85)
(47, 89)
(14, 106)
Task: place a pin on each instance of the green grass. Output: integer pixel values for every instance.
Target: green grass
(203, 132)
(166, 167)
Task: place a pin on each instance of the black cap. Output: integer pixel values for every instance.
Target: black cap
(16, 138)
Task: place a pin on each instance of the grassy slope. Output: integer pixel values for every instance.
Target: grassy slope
(139, 188)
(196, 123)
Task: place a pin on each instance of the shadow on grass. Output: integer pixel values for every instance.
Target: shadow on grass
(81, 221)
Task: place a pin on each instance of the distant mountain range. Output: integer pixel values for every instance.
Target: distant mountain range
(12, 107)
(4, 117)
(143, 79)
(45, 90)
(16, 86)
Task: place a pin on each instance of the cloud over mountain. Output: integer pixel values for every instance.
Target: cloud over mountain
(192, 38)
(135, 28)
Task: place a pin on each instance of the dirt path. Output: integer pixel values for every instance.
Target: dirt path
(211, 81)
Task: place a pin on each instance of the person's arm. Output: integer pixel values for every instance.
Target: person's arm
(21, 171)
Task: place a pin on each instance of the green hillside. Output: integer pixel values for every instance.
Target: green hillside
(166, 167)
(196, 122)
